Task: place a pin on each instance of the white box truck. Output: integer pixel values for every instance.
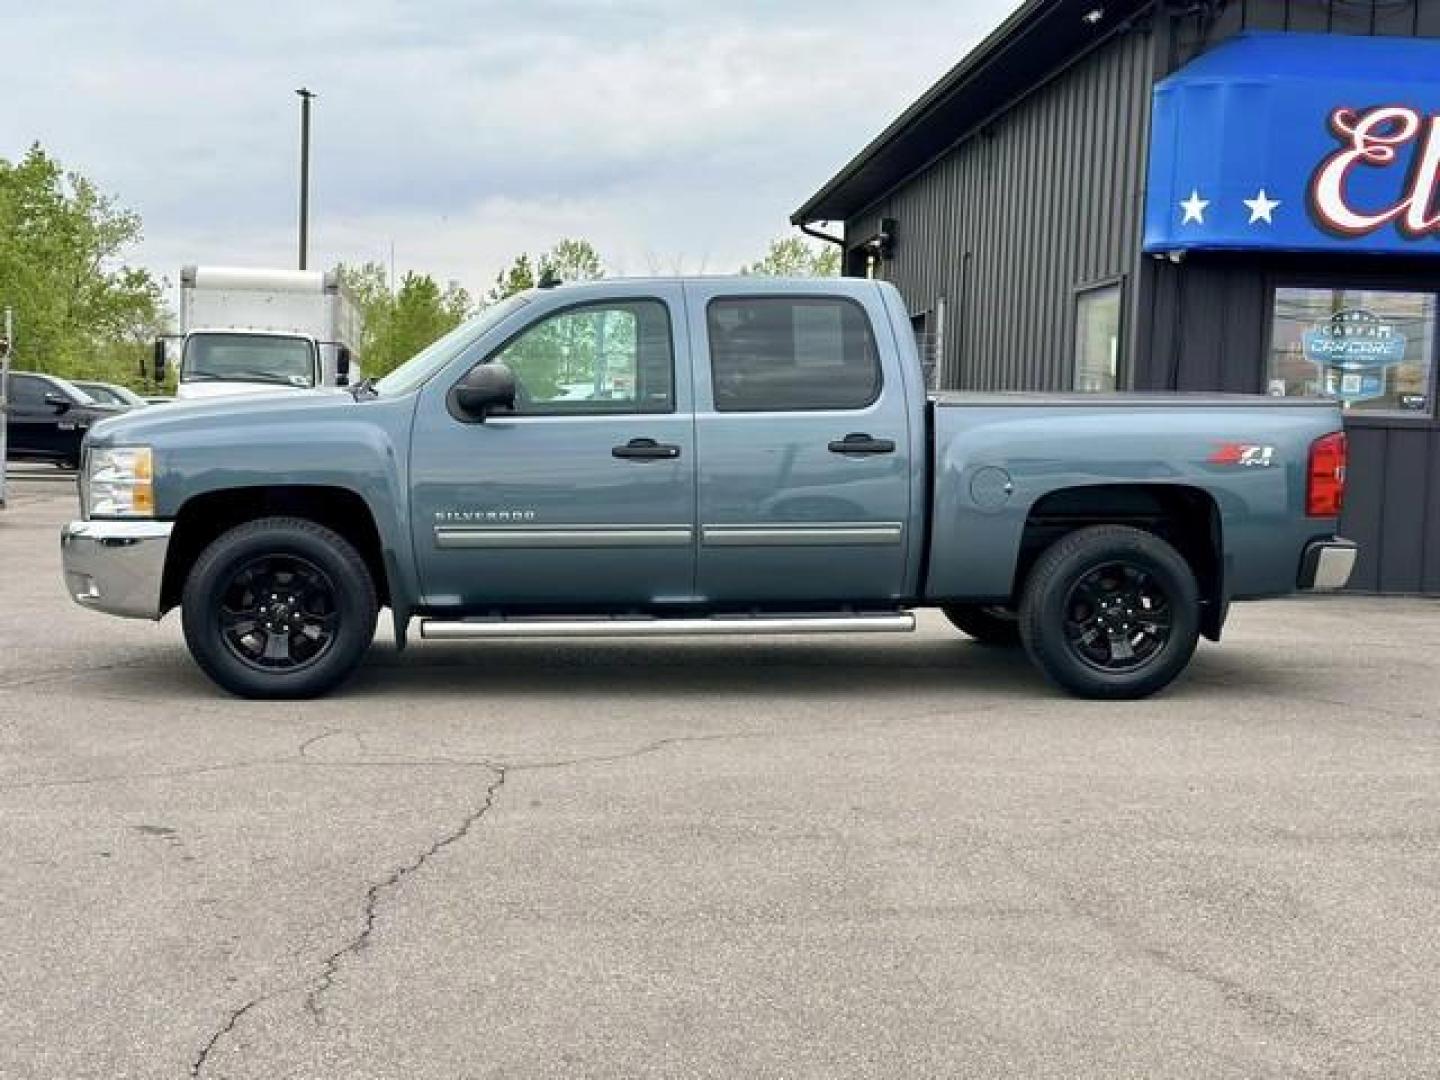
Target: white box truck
(249, 330)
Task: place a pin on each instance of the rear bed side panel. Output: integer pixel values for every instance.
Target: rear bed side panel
(1033, 447)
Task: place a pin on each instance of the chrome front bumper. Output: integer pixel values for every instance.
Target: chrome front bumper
(116, 566)
(1327, 564)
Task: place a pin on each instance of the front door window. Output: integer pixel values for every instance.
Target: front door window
(600, 358)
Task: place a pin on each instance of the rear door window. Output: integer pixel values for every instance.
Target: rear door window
(791, 354)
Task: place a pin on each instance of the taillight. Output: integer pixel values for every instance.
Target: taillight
(1325, 492)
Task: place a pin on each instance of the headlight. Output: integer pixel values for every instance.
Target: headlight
(119, 481)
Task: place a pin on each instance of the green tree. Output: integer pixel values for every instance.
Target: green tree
(79, 312)
(572, 260)
(515, 278)
(568, 260)
(400, 324)
(369, 287)
(795, 256)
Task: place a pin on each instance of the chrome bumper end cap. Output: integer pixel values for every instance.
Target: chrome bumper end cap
(1327, 564)
(116, 566)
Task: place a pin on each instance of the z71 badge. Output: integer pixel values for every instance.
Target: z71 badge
(1246, 455)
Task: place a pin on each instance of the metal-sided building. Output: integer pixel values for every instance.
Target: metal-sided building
(1239, 196)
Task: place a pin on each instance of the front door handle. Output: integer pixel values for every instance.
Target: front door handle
(859, 443)
(645, 450)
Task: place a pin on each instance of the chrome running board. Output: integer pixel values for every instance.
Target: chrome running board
(898, 622)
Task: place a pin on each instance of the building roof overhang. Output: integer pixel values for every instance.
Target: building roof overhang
(1039, 38)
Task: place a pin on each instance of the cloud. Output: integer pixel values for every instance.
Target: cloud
(669, 133)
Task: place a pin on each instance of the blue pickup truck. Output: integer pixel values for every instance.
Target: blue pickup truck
(701, 456)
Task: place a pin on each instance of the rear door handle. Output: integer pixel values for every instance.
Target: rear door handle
(645, 450)
(860, 443)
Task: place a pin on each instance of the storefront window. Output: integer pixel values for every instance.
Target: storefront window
(1372, 350)
(1097, 338)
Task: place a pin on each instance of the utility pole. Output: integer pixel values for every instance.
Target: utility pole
(305, 98)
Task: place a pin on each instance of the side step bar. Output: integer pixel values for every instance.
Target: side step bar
(607, 627)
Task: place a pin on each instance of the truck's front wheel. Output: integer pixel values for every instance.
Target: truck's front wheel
(1111, 612)
(279, 608)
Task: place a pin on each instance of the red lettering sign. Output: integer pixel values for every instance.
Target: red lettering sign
(1374, 139)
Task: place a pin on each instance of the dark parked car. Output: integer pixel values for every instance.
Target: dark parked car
(110, 394)
(48, 418)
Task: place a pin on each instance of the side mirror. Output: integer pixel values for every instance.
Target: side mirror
(58, 401)
(159, 361)
(484, 389)
(342, 366)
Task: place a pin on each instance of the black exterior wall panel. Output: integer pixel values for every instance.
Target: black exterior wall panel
(1404, 493)
(1430, 522)
(1034, 230)
(1365, 504)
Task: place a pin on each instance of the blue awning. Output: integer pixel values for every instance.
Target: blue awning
(1298, 142)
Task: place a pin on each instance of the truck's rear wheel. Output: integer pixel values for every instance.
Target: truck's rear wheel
(1111, 612)
(279, 608)
(988, 625)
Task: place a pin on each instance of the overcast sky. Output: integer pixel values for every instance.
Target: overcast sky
(673, 134)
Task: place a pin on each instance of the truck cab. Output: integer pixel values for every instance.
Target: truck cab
(216, 362)
(251, 331)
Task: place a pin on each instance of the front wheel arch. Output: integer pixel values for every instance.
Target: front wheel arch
(205, 517)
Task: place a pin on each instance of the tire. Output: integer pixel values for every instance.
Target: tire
(988, 625)
(1102, 592)
(279, 608)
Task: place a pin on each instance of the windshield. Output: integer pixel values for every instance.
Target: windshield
(262, 358)
(111, 395)
(73, 392)
(433, 357)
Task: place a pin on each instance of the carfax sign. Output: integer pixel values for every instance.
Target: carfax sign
(1299, 142)
(1353, 349)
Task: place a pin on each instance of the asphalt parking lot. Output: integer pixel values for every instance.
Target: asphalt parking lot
(844, 857)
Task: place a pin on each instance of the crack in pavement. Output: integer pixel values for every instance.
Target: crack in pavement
(358, 942)
(303, 757)
(336, 959)
(376, 892)
(203, 1057)
(239, 766)
(373, 895)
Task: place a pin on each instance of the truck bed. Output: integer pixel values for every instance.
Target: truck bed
(997, 456)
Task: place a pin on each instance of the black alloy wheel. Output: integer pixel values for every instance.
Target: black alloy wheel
(1118, 617)
(278, 613)
(280, 607)
(1111, 612)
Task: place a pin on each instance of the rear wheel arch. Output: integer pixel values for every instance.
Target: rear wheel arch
(206, 517)
(1184, 516)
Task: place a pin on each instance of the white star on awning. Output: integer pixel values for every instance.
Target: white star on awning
(1261, 207)
(1194, 208)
